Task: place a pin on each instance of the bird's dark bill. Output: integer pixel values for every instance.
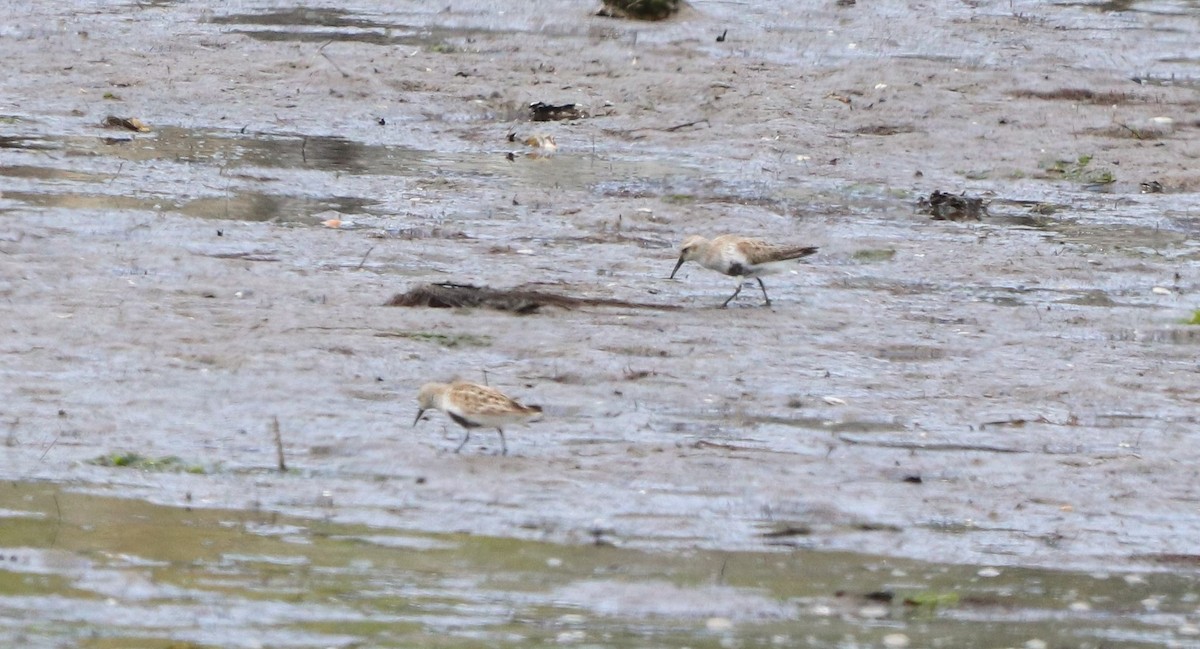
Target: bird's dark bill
(677, 265)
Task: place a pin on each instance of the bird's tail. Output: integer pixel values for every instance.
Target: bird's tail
(534, 412)
(799, 252)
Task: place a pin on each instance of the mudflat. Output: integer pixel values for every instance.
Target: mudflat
(1014, 390)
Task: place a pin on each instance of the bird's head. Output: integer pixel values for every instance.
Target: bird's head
(428, 398)
(691, 249)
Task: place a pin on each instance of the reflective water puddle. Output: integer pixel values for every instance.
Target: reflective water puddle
(93, 571)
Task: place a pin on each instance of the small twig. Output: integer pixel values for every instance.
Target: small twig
(679, 126)
(263, 255)
(335, 65)
(11, 439)
(52, 443)
(57, 521)
(303, 153)
(364, 258)
(1136, 133)
(927, 446)
(728, 447)
(278, 444)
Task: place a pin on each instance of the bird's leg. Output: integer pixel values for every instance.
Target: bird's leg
(764, 290)
(464, 442)
(735, 294)
(503, 444)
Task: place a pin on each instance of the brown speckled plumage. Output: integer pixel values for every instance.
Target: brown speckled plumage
(474, 406)
(740, 257)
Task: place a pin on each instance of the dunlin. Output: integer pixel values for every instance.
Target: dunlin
(474, 406)
(740, 257)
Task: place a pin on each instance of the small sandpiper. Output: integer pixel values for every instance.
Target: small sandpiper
(473, 406)
(740, 257)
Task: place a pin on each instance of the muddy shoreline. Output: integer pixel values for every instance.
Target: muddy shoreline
(1014, 391)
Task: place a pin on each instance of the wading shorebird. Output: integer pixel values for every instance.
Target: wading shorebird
(740, 257)
(474, 406)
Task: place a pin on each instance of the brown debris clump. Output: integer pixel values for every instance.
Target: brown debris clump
(639, 9)
(127, 123)
(952, 207)
(540, 111)
(1080, 95)
(452, 296)
(884, 129)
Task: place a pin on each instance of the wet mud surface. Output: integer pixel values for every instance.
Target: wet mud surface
(218, 578)
(1014, 391)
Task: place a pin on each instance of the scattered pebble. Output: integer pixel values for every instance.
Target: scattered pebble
(570, 637)
(718, 624)
(1080, 606)
(1160, 290)
(554, 562)
(1159, 126)
(1189, 629)
(895, 640)
(1035, 644)
(988, 572)
(1134, 579)
(1151, 603)
(944, 206)
(873, 612)
(572, 618)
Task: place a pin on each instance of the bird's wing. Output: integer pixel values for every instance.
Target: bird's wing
(758, 251)
(482, 400)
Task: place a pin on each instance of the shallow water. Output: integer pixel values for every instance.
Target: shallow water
(1016, 392)
(105, 572)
